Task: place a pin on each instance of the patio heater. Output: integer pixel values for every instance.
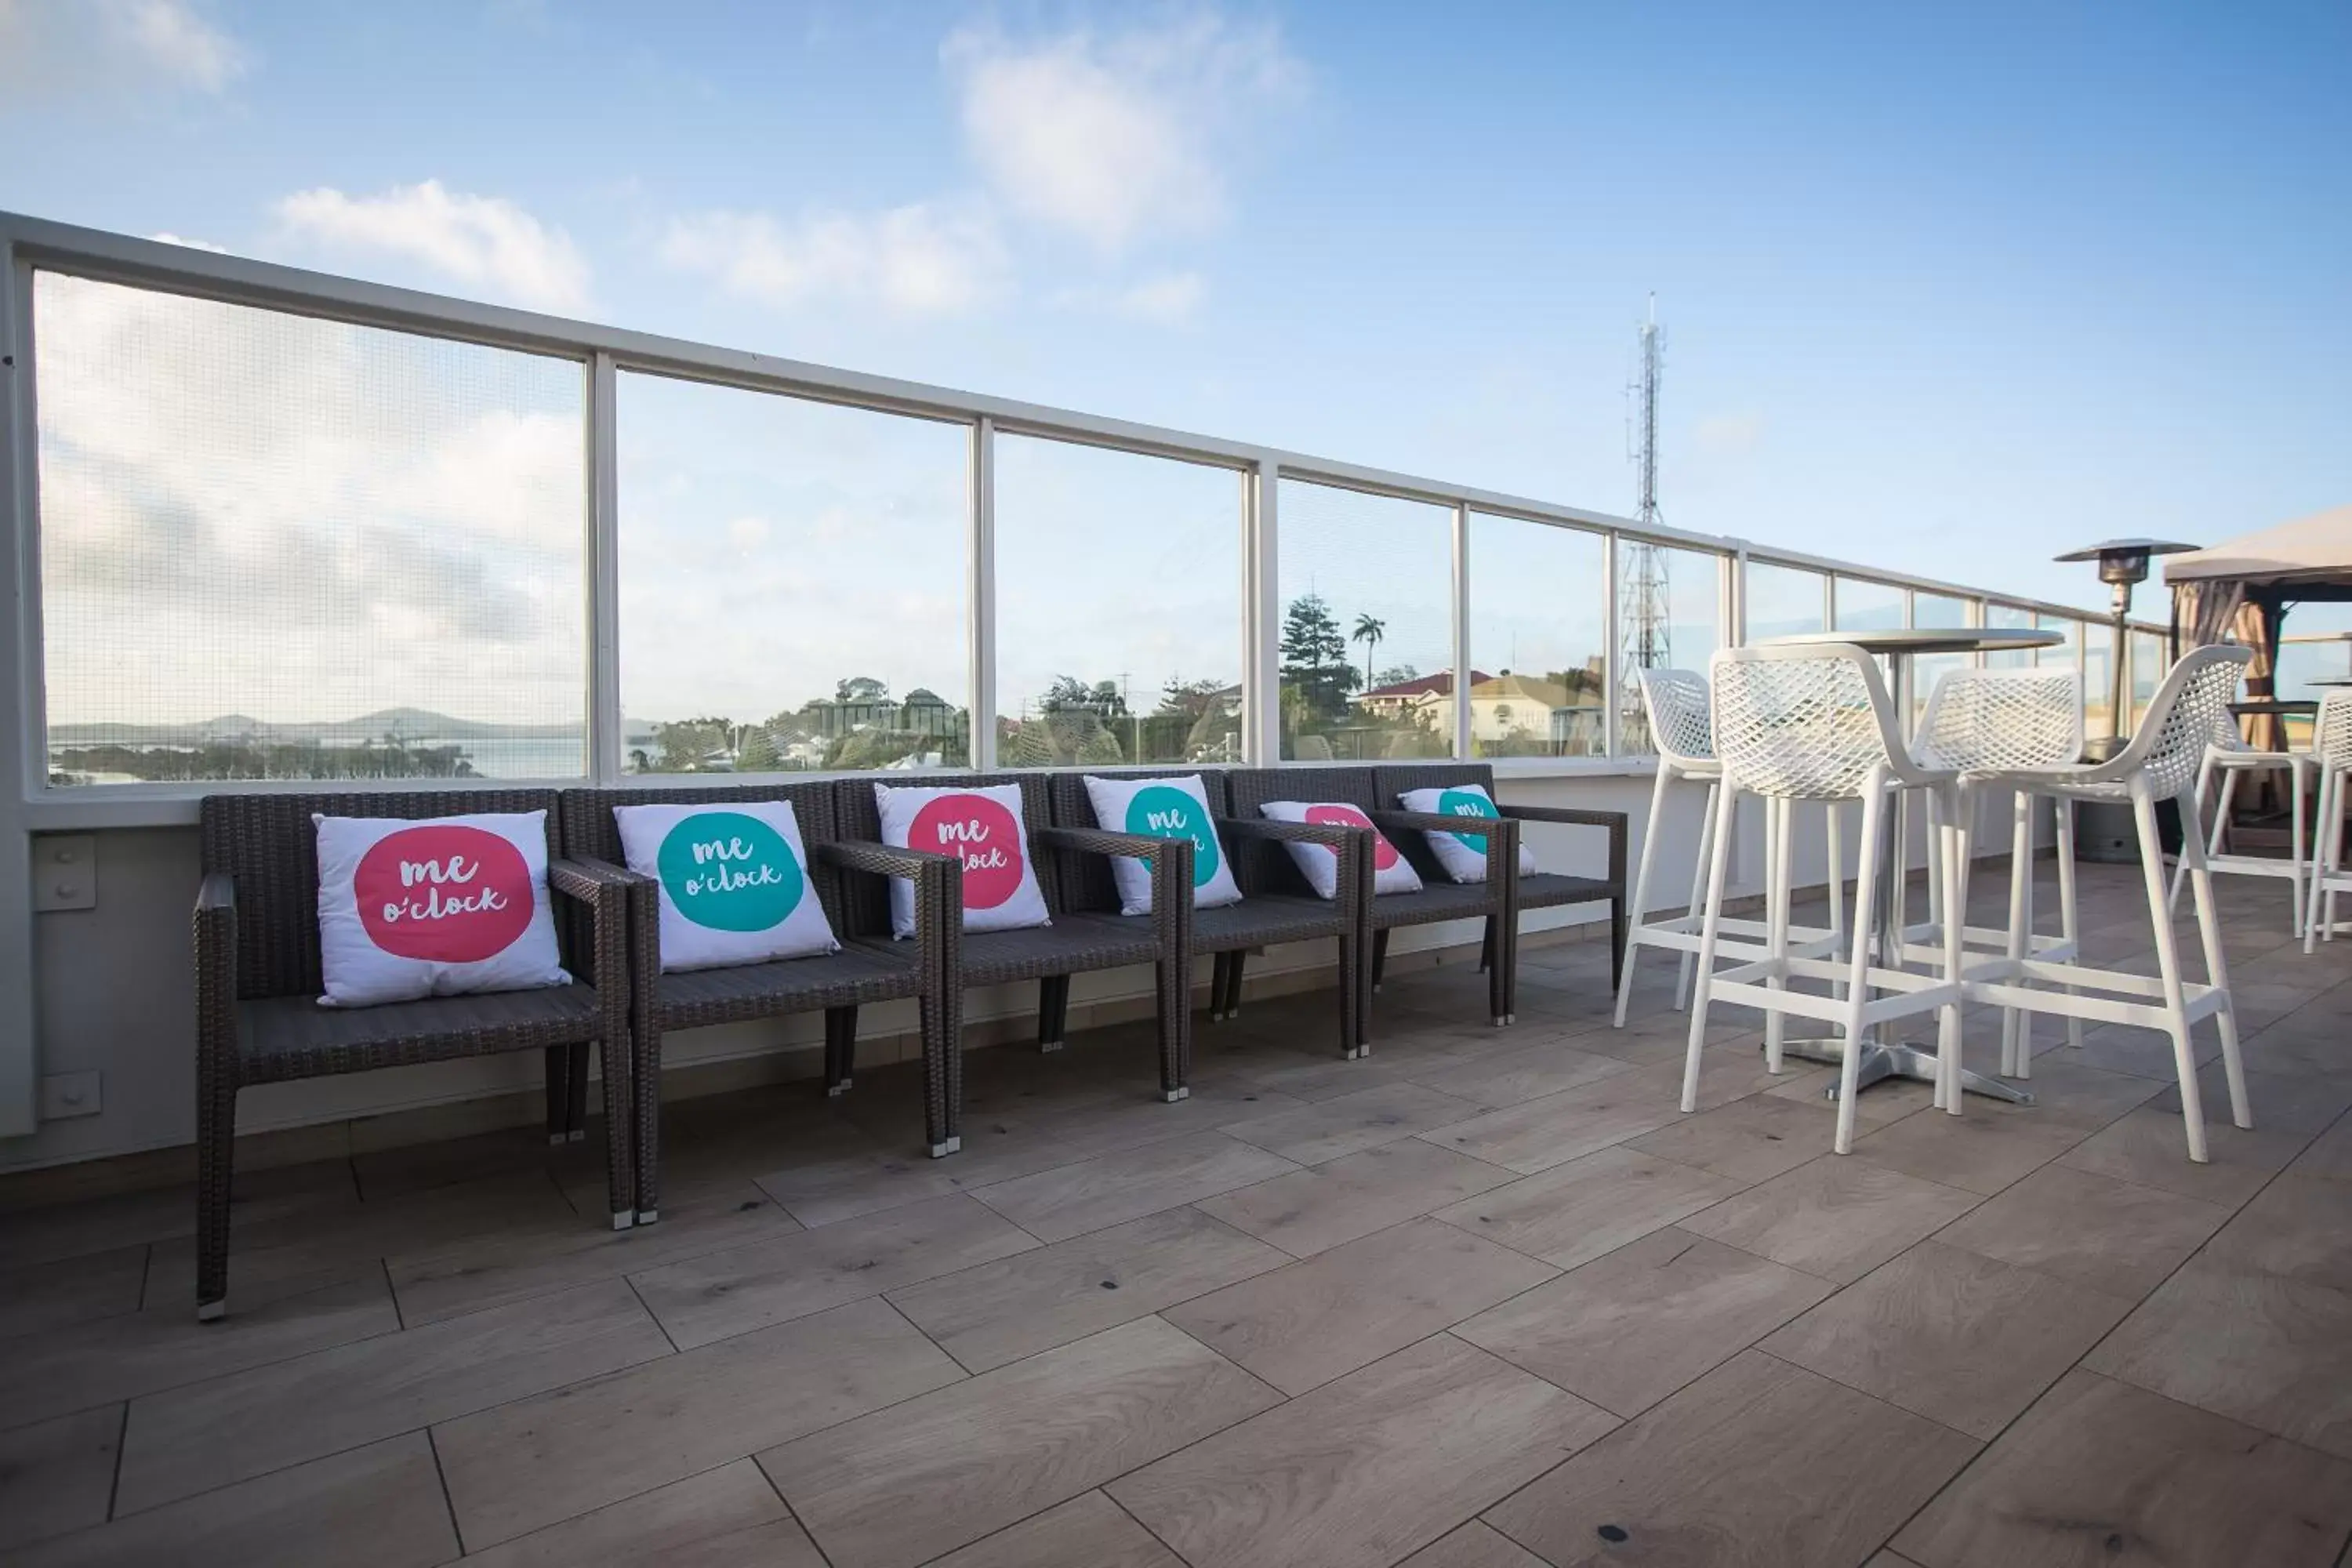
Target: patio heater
(2104, 830)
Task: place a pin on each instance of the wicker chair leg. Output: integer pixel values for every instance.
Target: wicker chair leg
(1487, 947)
(1498, 976)
(1617, 934)
(630, 1191)
(943, 1073)
(559, 1075)
(215, 1159)
(645, 1082)
(840, 1048)
(1236, 963)
(1379, 958)
(1351, 1022)
(575, 1117)
(1172, 977)
(1053, 1011)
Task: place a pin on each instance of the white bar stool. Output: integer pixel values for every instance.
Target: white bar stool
(2331, 748)
(2160, 762)
(1682, 727)
(2229, 756)
(1979, 720)
(1815, 723)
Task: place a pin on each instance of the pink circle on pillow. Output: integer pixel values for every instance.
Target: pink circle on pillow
(1384, 853)
(445, 892)
(985, 835)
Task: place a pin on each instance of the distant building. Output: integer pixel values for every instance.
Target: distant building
(1426, 696)
(1568, 717)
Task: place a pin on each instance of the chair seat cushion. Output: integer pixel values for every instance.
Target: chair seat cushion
(1435, 901)
(1547, 889)
(1263, 921)
(293, 1036)
(858, 973)
(1074, 943)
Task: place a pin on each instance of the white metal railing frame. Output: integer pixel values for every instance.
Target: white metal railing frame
(602, 351)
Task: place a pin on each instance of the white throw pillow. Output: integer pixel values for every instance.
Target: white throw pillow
(1464, 855)
(1391, 872)
(1163, 808)
(734, 881)
(438, 906)
(983, 826)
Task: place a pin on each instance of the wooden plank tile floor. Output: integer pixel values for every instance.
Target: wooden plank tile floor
(1485, 1297)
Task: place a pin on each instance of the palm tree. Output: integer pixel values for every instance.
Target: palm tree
(1369, 630)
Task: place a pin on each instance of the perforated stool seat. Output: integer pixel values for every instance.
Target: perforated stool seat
(1682, 727)
(2161, 763)
(1814, 722)
(2331, 753)
(2229, 758)
(1983, 721)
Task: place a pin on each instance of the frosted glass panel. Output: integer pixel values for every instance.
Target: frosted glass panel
(1538, 641)
(1783, 601)
(1118, 608)
(792, 583)
(1367, 633)
(277, 547)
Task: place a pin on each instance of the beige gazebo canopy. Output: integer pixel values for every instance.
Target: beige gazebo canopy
(2311, 552)
(2239, 591)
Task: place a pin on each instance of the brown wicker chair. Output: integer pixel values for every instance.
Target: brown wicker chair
(1544, 890)
(1497, 900)
(1079, 940)
(1267, 915)
(257, 982)
(838, 984)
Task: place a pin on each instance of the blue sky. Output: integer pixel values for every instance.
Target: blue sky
(1949, 289)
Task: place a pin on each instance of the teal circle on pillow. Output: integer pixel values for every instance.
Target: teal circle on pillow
(1468, 803)
(1165, 812)
(731, 872)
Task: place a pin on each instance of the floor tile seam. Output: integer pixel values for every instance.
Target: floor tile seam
(2240, 1207)
(1987, 1446)
(1043, 1350)
(1982, 1443)
(791, 1512)
(114, 1482)
(441, 1480)
(1296, 1169)
(1444, 1333)
(9, 1424)
(2076, 1364)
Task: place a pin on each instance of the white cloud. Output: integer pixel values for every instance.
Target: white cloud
(487, 242)
(926, 259)
(59, 48)
(1116, 137)
(1167, 299)
(166, 237)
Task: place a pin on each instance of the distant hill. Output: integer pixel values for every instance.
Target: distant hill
(408, 723)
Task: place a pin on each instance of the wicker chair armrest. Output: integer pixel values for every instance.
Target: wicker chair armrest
(1102, 841)
(1332, 836)
(586, 879)
(879, 859)
(218, 891)
(1501, 834)
(1441, 822)
(605, 889)
(1580, 817)
(1573, 815)
(938, 898)
(216, 932)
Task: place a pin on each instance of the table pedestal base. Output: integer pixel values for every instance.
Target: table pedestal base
(1881, 1061)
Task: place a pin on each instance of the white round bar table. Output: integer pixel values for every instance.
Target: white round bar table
(1883, 1059)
